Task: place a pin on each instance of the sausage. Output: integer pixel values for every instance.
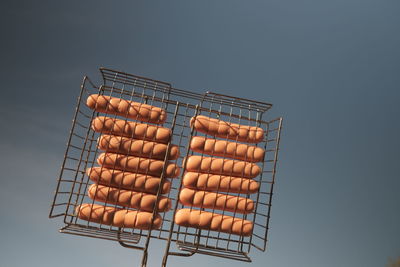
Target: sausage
(140, 148)
(228, 167)
(135, 164)
(213, 221)
(126, 198)
(118, 217)
(128, 180)
(211, 200)
(130, 109)
(142, 131)
(223, 148)
(220, 183)
(223, 129)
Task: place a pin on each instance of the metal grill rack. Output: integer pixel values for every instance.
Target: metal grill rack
(181, 106)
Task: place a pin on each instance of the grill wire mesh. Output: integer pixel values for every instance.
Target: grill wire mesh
(180, 106)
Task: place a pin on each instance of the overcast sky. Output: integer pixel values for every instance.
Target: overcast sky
(331, 69)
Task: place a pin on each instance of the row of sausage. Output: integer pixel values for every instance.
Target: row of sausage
(133, 162)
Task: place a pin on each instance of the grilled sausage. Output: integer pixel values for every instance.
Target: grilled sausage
(213, 221)
(128, 180)
(135, 164)
(226, 167)
(211, 200)
(126, 198)
(118, 217)
(142, 131)
(233, 131)
(125, 108)
(133, 147)
(223, 148)
(209, 182)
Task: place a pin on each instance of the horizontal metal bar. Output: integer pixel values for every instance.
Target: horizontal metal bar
(81, 125)
(263, 226)
(80, 137)
(59, 204)
(84, 114)
(74, 170)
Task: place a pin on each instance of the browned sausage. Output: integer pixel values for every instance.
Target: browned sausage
(211, 200)
(118, 217)
(213, 221)
(128, 180)
(131, 129)
(135, 164)
(125, 108)
(220, 183)
(223, 148)
(228, 167)
(126, 198)
(233, 131)
(140, 148)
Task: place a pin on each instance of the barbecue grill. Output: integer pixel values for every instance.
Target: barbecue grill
(180, 106)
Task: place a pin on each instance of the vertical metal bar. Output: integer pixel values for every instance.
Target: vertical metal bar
(145, 251)
(259, 117)
(167, 247)
(273, 178)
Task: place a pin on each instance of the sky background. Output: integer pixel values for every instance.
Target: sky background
(331, 69)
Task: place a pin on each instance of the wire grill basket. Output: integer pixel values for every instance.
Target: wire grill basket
(180, 106)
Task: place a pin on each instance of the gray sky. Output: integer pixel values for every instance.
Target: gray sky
(331, 69)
